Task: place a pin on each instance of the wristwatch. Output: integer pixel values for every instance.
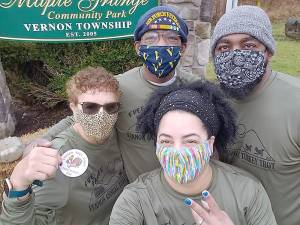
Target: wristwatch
(11, 193)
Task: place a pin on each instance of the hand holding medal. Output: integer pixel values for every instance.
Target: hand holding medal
(40, 164)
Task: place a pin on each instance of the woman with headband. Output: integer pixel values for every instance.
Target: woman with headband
(187, 124)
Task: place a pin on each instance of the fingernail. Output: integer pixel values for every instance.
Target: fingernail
(205, 194)
(188, 201)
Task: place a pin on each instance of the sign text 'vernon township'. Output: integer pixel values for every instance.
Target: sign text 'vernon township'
(42, 27)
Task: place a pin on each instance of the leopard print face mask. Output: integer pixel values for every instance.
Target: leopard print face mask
(98, 126)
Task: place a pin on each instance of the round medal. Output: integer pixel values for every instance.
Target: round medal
(74, 163)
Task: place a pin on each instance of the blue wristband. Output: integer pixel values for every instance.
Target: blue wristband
(38, 183)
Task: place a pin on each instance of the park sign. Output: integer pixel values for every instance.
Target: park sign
(70, 20)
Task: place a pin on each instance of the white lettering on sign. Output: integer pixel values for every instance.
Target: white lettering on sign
(42, 27)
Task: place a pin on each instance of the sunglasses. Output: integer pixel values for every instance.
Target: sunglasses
(92, 108)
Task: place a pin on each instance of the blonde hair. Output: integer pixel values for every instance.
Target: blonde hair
(90, 78)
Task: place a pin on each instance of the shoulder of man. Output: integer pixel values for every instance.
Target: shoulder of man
(293, 82)
(132, 73)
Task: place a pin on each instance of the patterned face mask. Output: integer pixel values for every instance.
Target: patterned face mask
(185, 164)
(239, 70)
(98, 126)
(160, 60)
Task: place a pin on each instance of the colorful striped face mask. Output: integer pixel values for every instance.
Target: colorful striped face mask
(184, 164)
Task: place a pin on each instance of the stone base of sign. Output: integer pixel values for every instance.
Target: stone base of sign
(7, 121)
(203, 29)
(199, 71)
(206, 10)
(197, 14)
(202, 47)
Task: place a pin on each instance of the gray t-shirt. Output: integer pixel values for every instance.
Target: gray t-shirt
(268, 143)
(151, 201)
(84, 200)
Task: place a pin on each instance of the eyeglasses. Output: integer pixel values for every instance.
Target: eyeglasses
(92, 108)
(152, 37)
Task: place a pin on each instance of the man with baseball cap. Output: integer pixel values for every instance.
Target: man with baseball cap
(160, 40)
(268, 106)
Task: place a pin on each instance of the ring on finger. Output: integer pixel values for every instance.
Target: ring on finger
(200, 221)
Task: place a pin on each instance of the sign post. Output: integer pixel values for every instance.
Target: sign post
(230, 4)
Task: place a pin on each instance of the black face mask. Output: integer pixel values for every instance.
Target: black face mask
(239, 71)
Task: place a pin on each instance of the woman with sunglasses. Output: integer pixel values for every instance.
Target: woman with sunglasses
(188, 123)
(81, 178)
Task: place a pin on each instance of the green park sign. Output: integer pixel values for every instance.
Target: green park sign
(70, 20)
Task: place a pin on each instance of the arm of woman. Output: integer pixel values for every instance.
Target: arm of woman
(41, 206)
(127, 210)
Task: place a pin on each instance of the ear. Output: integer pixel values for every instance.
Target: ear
(211, 142)
(183, 48)
(137, 45)
(268, 55)
(73, 107)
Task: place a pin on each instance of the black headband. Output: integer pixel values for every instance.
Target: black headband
(193, 102)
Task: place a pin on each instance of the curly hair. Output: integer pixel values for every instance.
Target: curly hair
(225, 114)
(90, 78)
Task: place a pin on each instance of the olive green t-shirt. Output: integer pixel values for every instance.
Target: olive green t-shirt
(151, 201)
(138, 154)
(268, 143)
(84, 200)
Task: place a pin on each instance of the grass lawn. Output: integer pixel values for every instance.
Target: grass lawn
(286, 58)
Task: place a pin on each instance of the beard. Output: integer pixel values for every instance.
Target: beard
(242, 92)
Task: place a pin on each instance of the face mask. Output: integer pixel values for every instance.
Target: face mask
(185, 164)
(160, 60)
(98, 126)
(239, 71)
